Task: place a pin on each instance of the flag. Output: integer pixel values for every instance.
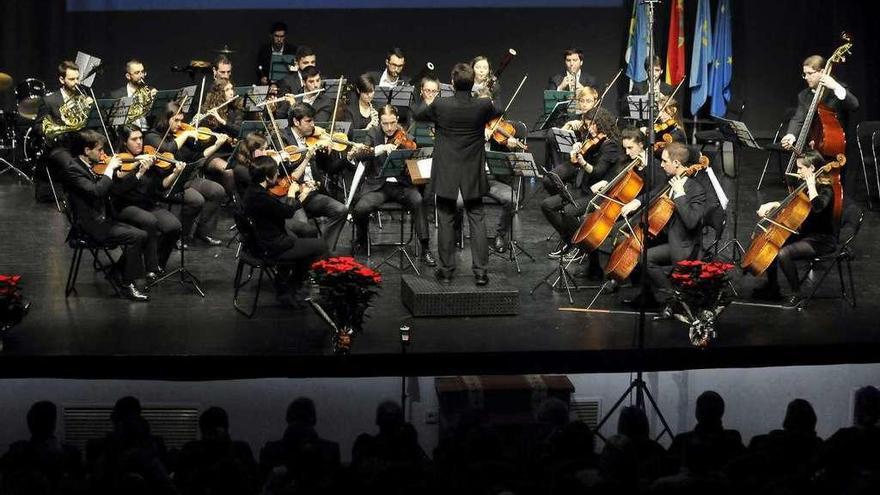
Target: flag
(637, 46)
(722, 64)
(675, 45)
(701, 57)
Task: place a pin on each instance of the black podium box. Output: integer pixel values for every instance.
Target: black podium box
(424, 296)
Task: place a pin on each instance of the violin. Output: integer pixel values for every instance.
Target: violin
(129, 163)
(402, 141)
(282, 187)
(666, 125)
(588, 145)
(164, 160)
(502, 130)
(774, 229)
(628, 246)
(321, 139)
(204, 134)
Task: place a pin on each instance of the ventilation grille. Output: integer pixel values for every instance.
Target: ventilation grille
(176, 425)
(586, 409)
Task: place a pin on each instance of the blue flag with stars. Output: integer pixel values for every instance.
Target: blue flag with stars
(722, 65)
(701, 57)
(637, 45)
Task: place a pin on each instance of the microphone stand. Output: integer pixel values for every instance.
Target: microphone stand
(638, 385)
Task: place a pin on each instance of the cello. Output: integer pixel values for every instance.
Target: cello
(822, 128)
(776, 227)
(622, 189)
(628, 247)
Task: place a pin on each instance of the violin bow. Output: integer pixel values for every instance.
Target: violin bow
(602, 97)
(501, 117)
(336, 104)
(669, 99)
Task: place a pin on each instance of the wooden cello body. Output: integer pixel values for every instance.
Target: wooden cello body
(599, 223)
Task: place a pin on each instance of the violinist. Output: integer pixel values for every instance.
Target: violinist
(201, 197)
(134, 194)
(319, 162)
(392, 76)
(585, 100)
(661, 88)
(838, 98)
(269, 215)
(136, 77)
(276, 45)
(815, 237)
(305, 57)
(485, 83)
(361, 112)
(668, 122)
(321, 102)
(376, 190)
(588, 166)
(87, 193)
(573, 77)
(683, 231)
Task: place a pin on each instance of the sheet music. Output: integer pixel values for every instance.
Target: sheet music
(86, 63)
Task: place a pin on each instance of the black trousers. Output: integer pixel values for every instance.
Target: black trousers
(130, 238)
(321, 205)
(565, 217)
(201, 200)
(446, 237)
(162, 228)
(799, 249)
(408, 196)
(303, 254)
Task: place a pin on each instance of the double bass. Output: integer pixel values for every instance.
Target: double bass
(777, 226)
(822, 128)
(628, 246)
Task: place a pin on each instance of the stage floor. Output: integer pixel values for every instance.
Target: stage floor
(179, 335)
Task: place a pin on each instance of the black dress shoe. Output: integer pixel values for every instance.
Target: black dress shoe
(500, 244)
(794, 301)
(442, 277)
(481, 279)
(611, 286)
(210, 240)
(151, 277)
(181, 245)
(427, 258)
(133, 293)
(665, 314)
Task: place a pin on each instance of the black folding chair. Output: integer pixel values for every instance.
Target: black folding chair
(868, 139)
(251, 254)
(80, 242)
(851, 223)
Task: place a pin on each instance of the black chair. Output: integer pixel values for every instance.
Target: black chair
(80, 242)
(775, 150)
(868, 138)
(253, 255)
(716, 219)
(851, 223)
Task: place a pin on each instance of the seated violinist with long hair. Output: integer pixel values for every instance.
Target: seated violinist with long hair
(815, 237)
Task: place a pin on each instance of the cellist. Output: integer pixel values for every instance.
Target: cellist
(838, 98)
(683, 230)
(815, 237)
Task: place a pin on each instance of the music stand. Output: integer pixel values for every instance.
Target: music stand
(115, 110)
(190, 93)
(396, 96)
(556, 115)
(637, 106)
(561, 270)
(742, 136)
(394, 166)
(87, 66)
(423, 133)
(446, 90)
(160, 103)
(516, 165)
(279, 66)
(563, 139)
(254, 96)
(184, 275)
(331, 86)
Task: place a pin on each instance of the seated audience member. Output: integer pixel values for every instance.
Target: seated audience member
(722, 445)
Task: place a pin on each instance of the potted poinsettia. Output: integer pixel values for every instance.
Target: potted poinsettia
(13, 305)
(701, 294)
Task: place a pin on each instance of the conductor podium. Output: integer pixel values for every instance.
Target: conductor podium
(424, 296)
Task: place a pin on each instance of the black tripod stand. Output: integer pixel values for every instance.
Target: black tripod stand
(561, 271)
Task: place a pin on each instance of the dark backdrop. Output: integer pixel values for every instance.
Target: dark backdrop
(770, 40)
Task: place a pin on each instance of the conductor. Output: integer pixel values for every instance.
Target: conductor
(459, 167)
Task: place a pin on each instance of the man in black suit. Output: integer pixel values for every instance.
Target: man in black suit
(655, 71)
(50, 107)
(573, 77)
(392, 76)
(321, 102)
(316, 165)
(459, 167)
(293, 83)
(87, 193)
(837, 97)
(683, 230)
(376, 189)
(277, 44)
(135, 75)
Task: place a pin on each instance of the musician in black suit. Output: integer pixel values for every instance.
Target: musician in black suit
(87, 193)
(683, 230)
(573, 77)
(837, 97)
(392, 75)
(50, 105)
(277, 44)
(318, 164)
(269, 215)
(135, 76)
(459, 167)
(585, 171)
(321, 102)
(655, 71)
(293, 82)
(815, 237)
(375, 189)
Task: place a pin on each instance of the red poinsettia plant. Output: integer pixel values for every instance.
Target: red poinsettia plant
(346, 290)
(13, 305)
(700, 296)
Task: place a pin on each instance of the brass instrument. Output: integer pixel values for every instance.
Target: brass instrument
(141, 102)
(74, 114)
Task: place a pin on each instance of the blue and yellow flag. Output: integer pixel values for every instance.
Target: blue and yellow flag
(637, 45)
(722, 63)
(701, 57)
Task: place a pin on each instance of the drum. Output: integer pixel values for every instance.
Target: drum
(32, 145)
(7, 130)
(28, 94)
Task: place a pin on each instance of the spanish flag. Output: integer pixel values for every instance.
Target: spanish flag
(675, 45)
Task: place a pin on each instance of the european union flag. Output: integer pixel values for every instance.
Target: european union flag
(722, 65)
(637, 46)
(701, 57)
